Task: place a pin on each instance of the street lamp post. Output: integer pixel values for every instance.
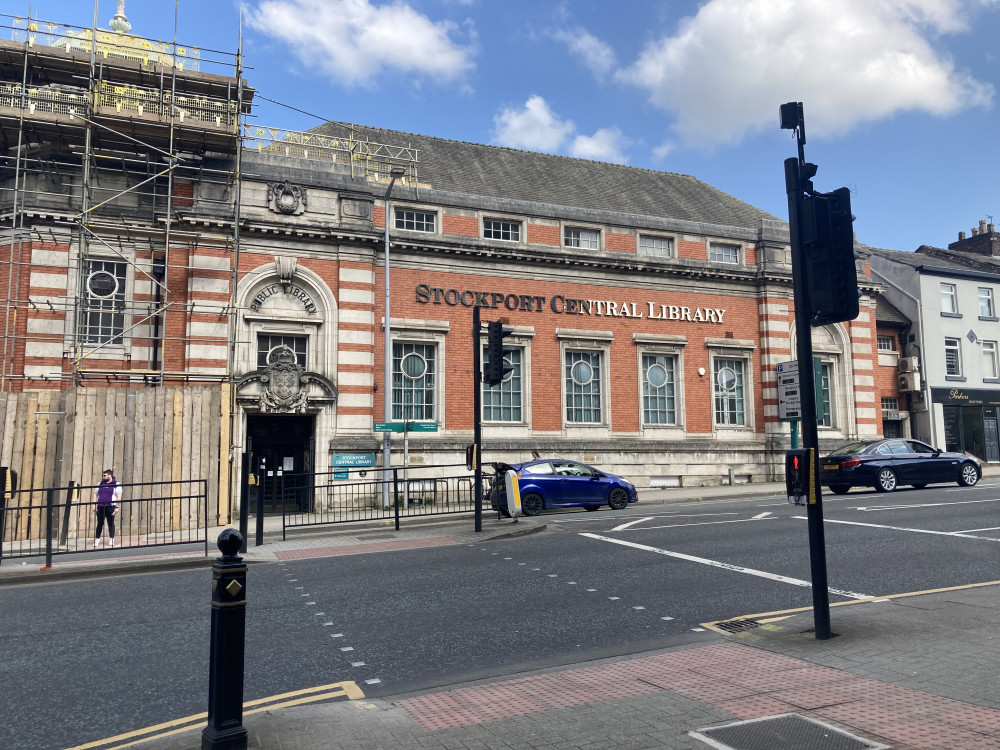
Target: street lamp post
(394, 174)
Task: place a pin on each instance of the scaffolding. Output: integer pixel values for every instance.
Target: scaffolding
(103, 135)
(104, 138)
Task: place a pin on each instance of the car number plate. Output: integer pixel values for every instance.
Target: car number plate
(831, 466)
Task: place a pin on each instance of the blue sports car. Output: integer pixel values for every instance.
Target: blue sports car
(561, 483)
(886, 464)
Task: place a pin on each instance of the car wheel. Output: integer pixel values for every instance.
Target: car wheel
(532, 504)
(618, 498)
(968, 475)
(886, 480)
(919, 486)
(591, 507)
(840, 489)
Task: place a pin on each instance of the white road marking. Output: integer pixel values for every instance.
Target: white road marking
(924, 505)
(724, 566)
(761, 515)
(969, 531)
(666, 618)
(703, 523)
(632, 523)
(904, 528)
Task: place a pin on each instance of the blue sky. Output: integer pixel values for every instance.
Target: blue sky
(900, 96)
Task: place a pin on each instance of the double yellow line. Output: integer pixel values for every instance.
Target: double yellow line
(346, 689)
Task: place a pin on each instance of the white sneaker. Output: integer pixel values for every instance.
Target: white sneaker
(112, 543)
(97, 543)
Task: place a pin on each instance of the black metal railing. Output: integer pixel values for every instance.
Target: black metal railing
(63, 520)
(345, 496)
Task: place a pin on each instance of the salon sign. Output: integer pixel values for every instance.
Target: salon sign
(563, 305)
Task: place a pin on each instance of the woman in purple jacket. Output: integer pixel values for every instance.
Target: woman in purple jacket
(106, 497)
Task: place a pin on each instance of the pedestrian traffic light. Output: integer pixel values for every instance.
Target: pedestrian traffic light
(827, 238)
(470, 456)
(497, 366)
(798, 476)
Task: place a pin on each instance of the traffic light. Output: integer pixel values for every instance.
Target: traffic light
(497, 366)
(798, 476)
(827, 237)
(470, 456)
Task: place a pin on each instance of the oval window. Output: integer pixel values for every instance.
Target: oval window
(727, 379)
(656, 375)
(581, 372)
(102, 284)
(413, 366)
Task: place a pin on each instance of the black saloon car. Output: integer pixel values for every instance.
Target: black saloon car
(887, 464)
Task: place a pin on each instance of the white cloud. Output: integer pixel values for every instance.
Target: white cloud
(534, 127)
(726, 70)
(591, 51)
(354, 41)
(604, 145)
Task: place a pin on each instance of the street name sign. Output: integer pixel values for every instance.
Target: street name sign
(388, 427)
(422, 426)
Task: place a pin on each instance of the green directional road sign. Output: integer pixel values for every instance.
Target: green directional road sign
(388, 427)
(422, 426)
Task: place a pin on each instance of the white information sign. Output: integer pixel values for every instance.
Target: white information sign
(789, 398)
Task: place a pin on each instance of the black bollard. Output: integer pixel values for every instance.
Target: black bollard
(225, 729)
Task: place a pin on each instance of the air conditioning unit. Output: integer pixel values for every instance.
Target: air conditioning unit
(908, 382)
(909, 364)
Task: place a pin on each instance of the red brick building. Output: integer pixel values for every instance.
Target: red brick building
(184, 287)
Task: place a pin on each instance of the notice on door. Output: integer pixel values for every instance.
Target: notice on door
(288, 463)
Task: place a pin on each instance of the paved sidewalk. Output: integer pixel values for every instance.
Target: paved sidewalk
(913, 673)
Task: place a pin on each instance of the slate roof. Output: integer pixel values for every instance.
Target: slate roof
(510, 174)
(888, 314)
(918, 259)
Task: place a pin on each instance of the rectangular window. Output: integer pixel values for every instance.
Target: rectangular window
(104, 302)
(728, 384)
(660, 247)
(415, 221)
(953, 357)
(719, 252)
(267, 346)
(824, 416)
(583, 387)
(986, 309)
(501, 229)
(659, 404)
(502, 402)
(588, 239)
(887, 343)
(949, 299)
(991, 367)
(890, 403)
(413, 381)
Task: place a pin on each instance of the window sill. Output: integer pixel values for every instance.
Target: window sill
(955, 378)
(989, 318)
(951, 315)
(991, 380)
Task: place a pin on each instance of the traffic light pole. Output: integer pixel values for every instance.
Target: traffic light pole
(796, 186)
(477, 429)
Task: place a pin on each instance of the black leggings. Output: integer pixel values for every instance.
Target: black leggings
(106, 512)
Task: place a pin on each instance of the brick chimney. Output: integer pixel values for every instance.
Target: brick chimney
(984, 240)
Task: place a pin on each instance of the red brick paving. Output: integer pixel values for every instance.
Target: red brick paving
(745, 682)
